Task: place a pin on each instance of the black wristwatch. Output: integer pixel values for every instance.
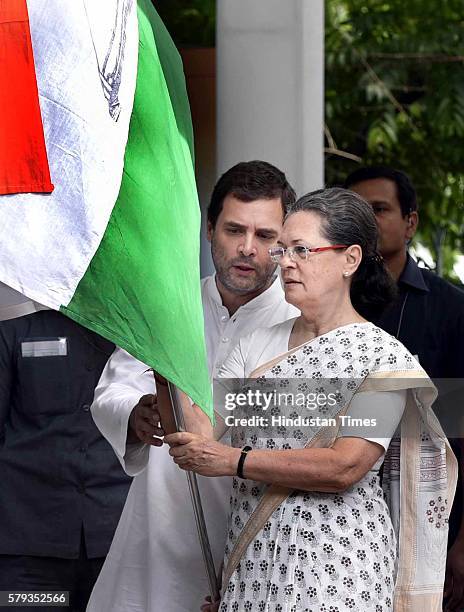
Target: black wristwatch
(241, 461)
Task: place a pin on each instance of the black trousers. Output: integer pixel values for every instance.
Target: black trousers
(23, 573)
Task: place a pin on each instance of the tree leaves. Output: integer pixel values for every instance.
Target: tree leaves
(395, 96)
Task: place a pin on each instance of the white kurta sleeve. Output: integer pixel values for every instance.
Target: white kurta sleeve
(122, 383)
(229, 380)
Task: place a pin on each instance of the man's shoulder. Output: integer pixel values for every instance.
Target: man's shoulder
(263, 335)
(441, 287)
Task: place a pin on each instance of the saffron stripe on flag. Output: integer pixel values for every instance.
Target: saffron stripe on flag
(23, 157)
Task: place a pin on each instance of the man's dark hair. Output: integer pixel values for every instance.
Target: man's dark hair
(249, 181)
(406, 193)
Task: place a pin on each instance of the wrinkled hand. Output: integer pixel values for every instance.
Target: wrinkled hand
(202, 455)
(454, 581)
(208, 606)
(144, 422)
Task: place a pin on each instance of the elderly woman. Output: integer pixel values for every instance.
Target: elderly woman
(310, 527)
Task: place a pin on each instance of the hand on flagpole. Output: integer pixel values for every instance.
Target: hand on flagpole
(197, 453)
(144, 422)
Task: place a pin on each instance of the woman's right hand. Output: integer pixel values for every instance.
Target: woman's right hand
(210, 607)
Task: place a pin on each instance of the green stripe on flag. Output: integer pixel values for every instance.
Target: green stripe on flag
(142, 288)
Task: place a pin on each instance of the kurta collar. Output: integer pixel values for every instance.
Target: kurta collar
(273, 294)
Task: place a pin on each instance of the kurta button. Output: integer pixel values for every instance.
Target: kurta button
(224, 318)
(83, 449)
(225, 339)
(86, 407)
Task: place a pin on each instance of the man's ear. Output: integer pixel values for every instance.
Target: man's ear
(209, 231)
(413, 220)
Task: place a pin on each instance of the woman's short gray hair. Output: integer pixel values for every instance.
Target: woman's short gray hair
(348, 219)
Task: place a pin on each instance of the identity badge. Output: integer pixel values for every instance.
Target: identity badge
(45, 347)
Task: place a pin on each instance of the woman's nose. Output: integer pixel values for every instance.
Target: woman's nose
(286, 261)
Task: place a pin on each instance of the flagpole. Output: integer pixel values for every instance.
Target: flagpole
(196, 502)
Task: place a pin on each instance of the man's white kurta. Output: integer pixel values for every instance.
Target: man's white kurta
(155, 562)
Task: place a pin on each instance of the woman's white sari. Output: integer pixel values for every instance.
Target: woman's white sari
(419, 480)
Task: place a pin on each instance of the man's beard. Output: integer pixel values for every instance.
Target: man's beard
(256, 282)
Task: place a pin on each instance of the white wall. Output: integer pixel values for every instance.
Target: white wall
(270, 89)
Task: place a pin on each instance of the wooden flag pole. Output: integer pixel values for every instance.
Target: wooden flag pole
(196, 502)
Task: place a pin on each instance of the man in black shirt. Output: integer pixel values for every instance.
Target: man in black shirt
(62, 488)
(427, 317)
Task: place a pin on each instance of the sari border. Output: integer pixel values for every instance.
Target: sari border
(409, 483)
(418, 602)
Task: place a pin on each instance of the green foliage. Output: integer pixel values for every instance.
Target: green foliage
(190, 22)
(395, 96)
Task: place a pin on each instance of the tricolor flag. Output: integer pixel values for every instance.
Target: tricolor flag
(116, 245)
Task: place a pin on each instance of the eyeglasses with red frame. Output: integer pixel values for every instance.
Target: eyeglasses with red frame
(300, 251)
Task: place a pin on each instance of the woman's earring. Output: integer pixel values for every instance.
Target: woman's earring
(346, 273)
